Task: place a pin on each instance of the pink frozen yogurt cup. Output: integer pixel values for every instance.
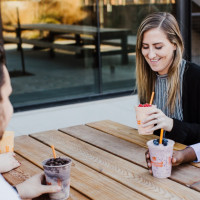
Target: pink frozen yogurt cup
(161, 157)
(141, 114)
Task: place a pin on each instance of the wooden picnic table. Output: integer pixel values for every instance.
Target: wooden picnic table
(59, 30)
(105, 33)
(108, 162)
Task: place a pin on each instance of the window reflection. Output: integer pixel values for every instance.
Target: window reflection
(60, 47)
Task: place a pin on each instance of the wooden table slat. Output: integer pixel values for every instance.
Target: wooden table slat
(27, 170)
(110, 143)
(185, 174)
(20, 174)
(128, 133)
(83, 178)
(125, 172)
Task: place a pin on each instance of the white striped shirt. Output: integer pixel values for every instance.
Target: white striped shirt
(161, 95)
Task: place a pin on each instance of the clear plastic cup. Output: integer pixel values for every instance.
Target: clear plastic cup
(161, 157)
(7, 142)
(141, 114)
(58, 175)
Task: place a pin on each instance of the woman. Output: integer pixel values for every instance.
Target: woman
(32, 187)
(176, 82)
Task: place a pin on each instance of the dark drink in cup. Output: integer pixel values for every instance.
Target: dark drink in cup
(57, 172)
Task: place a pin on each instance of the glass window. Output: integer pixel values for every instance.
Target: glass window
(60, 50)
(57, 50)
(122, 18)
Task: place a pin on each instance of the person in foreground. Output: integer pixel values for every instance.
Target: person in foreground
(175, 81)
(8, 162)
(32, 187)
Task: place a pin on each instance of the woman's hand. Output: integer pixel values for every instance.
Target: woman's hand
(148, 160)
(178, 157)
(159, 119)
(33, 187)
(8, 162)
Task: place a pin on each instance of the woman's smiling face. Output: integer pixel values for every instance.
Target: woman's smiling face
(157, 50)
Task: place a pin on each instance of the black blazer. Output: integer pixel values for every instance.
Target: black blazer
(188, 131)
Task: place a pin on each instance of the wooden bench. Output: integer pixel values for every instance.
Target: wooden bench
(112, 41)
(46, 44)
(72, 48)
(78, 50)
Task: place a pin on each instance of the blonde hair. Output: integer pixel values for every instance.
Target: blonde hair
(145, 76)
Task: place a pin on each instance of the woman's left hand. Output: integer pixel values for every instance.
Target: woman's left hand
(159, 119)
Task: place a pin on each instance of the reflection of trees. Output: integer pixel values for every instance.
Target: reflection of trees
(47, 11)
(65, 11)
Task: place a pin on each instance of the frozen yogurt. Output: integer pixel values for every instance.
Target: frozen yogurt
(160, 156)
(141, 113)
